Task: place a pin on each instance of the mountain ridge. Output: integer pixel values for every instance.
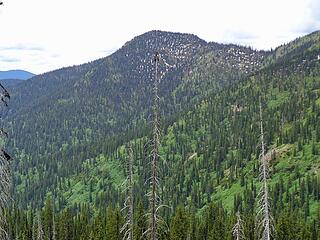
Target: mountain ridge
(16, 74)
(89, 107)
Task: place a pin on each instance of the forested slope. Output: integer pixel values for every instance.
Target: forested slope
(211, 151)
(60, 119)
(209, 161)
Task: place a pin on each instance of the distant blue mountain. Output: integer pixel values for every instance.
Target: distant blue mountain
(16, 74)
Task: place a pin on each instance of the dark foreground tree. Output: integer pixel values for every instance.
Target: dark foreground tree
(5, 160)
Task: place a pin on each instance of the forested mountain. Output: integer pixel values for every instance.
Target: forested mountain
(14, 77)
(69, 129)
(10, 82)
(16, 74)
(71, 114)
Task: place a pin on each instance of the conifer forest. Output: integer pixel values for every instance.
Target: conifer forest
(168, 138)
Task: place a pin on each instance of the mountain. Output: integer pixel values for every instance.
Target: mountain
(60, 113)
(8, 83)
(69, 127)
(16, 74)
(211, 151)
(304, 48)
(13, 77)
(118, 87)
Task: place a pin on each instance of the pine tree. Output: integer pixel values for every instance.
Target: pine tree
(65, 226)
(114, 223)
(48, 218)
(34, 228)
(192, 232)
(179, 226)
(140, 222)
(54, 230)
(99, 229)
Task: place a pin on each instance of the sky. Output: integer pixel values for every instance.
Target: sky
(44, 35)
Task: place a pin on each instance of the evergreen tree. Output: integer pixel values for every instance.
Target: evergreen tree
(140, 222)
(39, 234)
(114, 224)
(48, 219)
(179, 227)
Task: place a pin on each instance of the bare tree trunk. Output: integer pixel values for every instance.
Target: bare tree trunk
(127, 228)
(40, 233)
(237, 230)
(155, 157)
(154, 201)
(264, 218)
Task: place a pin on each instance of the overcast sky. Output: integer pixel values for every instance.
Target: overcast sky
(43, 35)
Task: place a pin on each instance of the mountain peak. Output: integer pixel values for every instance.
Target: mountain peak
(162, 40)
(163, 34)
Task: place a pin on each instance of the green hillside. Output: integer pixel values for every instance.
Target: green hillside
(62, 118)
(73, 148)
(210, 152)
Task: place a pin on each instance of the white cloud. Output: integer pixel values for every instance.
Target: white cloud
(76, 31)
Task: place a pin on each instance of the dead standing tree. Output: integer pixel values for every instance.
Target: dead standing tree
(264, 220)
(5, 159)
(127, 228)
(154, 220)
(237, 230)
